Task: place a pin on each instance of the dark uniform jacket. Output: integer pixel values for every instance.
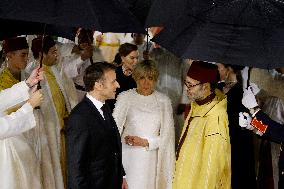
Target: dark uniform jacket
(274, 132)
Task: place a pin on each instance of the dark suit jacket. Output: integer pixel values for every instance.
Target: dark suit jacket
(93, 149)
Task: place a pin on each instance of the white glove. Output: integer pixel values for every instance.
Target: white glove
(254, 88)
(249, 100)
(244, 120)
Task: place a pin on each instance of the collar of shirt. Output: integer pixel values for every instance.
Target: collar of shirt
(98, 104)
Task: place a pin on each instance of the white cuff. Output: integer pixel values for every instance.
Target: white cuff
(154, 143)
(253, 115)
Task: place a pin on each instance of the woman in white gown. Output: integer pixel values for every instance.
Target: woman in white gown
(145, 120)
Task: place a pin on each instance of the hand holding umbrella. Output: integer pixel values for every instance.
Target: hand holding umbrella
(35, 77)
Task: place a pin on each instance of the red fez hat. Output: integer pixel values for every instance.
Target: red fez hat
(37, 45)
(14, 44)
(203, 72)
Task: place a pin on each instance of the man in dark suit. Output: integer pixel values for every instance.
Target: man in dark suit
(92, 139)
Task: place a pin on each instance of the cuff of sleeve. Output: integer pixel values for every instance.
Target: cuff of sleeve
(153, 144)
(23, 89)
(27, 107)
(253, 115)
(259, 125)
(25, 85)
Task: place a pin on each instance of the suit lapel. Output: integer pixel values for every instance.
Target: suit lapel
(95, 111)
(107, 125)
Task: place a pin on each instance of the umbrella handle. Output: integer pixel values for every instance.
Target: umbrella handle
(147, 42)
(248, 79)
(41, 58)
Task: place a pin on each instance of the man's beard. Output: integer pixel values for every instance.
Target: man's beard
(196, 98)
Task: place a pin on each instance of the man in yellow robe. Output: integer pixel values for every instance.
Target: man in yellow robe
(204, 152)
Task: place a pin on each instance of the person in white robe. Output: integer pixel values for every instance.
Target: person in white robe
(145, 120)
(75, 58)
(23, 119)
(19, 164)
(109, 44)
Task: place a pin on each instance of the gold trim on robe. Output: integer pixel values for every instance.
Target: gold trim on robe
(61, 110)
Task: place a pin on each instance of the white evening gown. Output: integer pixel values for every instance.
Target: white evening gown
(143, 120)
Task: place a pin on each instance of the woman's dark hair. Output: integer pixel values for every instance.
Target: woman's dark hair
(117, 60)
(127, 48)
(95, 73)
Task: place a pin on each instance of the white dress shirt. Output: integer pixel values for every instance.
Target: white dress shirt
(98, 104)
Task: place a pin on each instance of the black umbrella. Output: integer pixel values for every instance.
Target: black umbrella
(12, 28)
(104, 16)
(138, 8)
(155, 12)
(162, 12)
(245, 33)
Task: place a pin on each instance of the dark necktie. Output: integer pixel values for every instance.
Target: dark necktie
(107, 116)
(104, 108)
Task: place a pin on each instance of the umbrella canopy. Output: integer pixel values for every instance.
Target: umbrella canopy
(138, 8)
(152, 13)
(12, 28)
(248, 33)
(104, 16)
(162, 12)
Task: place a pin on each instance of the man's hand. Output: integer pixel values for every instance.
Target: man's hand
(245, 120)
(124, 184)
(136, 141)
(36, 97)
(35, 77)
(249, 100)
